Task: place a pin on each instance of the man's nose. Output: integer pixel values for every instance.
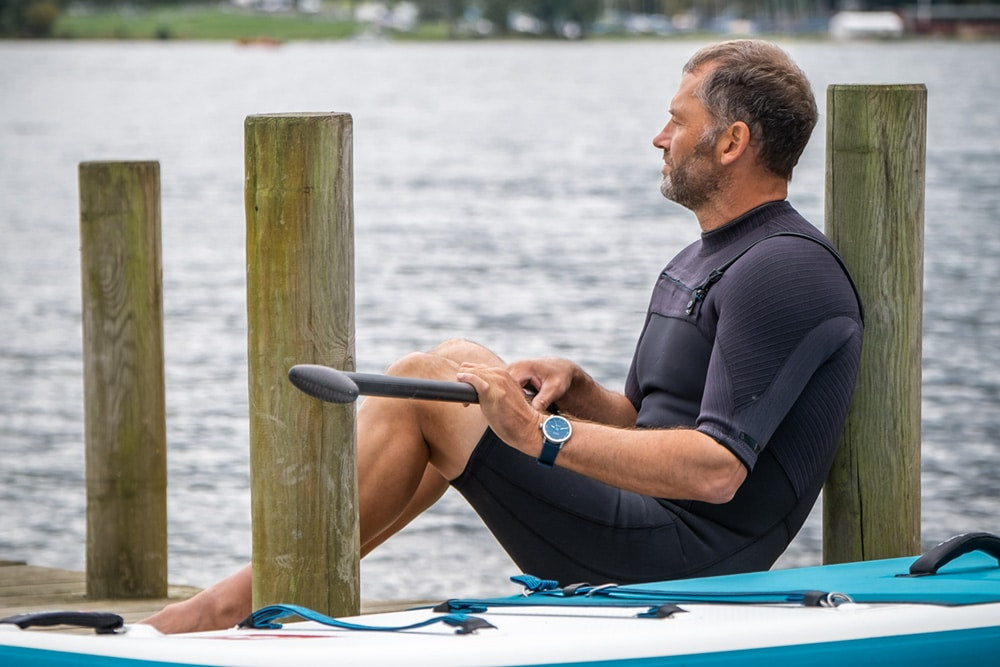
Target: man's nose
(662, 140)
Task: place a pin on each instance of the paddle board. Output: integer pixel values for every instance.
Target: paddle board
(942, 610)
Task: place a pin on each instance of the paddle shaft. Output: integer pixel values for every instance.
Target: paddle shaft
(335, 386)
(372, 384)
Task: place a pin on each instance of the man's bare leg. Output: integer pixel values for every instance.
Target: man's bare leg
(407, 452)
(429, 491)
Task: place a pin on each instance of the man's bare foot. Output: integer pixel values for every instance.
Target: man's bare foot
(177, 617)
(221, 606)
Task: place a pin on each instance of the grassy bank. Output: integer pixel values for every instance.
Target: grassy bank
(213, 23)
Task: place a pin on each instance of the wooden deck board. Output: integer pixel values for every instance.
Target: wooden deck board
(28, 588)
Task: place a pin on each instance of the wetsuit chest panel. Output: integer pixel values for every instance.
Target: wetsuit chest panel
(671, 366)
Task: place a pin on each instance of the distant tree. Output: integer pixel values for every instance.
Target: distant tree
(9, 21)
(27, 18)
(446, 11)
(498, 11)
(441, 10)
(553, 13)
(39, 17)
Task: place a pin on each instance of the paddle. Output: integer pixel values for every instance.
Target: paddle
(334, 386)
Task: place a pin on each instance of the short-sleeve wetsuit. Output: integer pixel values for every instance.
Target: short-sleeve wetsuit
(764, 360)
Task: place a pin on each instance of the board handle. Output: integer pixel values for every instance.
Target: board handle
(954, 547)
(103, 623)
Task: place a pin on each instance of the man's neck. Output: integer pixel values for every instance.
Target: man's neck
(728, 206)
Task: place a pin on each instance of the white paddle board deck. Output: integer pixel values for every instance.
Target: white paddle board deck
(712, 634)
(875, 613)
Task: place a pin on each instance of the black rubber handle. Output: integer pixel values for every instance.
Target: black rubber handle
(102, 622)
(954, 547)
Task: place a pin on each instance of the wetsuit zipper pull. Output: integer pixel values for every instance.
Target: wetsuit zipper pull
(698, 293)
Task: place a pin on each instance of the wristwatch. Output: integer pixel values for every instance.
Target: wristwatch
(556, 430)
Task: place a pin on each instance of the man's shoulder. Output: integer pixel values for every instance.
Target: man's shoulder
(781, 219)
(800, 272)
(798, 249)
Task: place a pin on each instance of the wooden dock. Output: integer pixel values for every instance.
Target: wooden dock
(26, 588)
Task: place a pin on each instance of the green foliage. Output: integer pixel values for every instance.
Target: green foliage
(554, 12)
(496, 11)
(6, 18)
(27, 18)
(171, 19)
(39, 17)
(439, 19)
(196, 23)
(447, 11)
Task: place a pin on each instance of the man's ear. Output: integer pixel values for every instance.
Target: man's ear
(733, 142)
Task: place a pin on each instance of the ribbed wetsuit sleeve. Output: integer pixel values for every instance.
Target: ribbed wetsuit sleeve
(783, 311)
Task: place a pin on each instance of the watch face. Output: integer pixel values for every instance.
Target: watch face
(557, 429)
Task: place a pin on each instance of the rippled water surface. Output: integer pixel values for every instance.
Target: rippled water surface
(504, 192)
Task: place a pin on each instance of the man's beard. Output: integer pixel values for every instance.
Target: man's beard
(692, 182)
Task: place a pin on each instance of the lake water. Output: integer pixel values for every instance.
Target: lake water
(472, 160)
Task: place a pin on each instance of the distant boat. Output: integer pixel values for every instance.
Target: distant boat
(259, 41)
(866, 25)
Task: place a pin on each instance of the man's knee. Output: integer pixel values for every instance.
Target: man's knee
(443, 360)
(460, 350)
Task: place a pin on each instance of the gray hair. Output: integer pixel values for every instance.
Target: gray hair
(756, 82)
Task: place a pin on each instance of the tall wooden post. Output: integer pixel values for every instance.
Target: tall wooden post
(300, 304)
(876, 143)
(125, 420)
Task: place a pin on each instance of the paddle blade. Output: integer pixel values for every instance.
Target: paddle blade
(325, 383)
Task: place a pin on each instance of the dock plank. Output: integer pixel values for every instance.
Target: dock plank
(30, 588)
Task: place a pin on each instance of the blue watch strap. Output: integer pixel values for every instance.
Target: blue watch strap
(550, 450)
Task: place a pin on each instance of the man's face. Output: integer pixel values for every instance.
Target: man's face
(691, 174)
(693, 179)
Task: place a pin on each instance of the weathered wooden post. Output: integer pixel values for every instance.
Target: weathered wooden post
(300, 305)
(876, 143)
(125, 421)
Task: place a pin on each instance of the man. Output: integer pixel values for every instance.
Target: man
(712, 458)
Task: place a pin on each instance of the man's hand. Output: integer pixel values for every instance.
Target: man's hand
(562, 382)
(550, 377)
(501, 398)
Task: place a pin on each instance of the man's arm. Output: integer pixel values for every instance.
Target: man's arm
(680, 463)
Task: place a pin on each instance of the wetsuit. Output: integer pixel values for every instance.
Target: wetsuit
(762, 356)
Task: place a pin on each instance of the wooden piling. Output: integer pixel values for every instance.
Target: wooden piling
(876, 143)
(300, 304)
(125, 414)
